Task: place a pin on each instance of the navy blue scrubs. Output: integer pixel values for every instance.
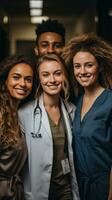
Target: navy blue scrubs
(92, 145)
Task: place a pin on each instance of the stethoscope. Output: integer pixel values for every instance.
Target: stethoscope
(36, 133)
(37, 111)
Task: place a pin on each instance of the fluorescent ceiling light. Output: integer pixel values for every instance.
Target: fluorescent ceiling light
(36, 4)
(96, 19)
(35, 12)
(5, 19)
(39, 19)
(110, 12)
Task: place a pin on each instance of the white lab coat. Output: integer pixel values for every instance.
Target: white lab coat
(40, 149)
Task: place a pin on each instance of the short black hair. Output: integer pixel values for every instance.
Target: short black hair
(50, 25)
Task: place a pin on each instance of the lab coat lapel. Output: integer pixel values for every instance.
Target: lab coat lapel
(45, 120)
(67, 121)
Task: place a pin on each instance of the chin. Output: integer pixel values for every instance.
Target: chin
(85, 84)
(20, 97)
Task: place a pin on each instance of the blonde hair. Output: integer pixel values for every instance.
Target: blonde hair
(65, 84)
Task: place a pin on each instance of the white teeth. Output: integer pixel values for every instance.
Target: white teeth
(85, 76)
(52, 85)
(21, 91)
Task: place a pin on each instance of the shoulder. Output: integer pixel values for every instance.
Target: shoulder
(27, 107)
(109, 92)
(70, 108)
(108, 97)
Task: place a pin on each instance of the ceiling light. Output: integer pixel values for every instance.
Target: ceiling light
(35, 12)
(96, 19)
(5, 19)
(36, 4)
(110, 12)
(39, 19)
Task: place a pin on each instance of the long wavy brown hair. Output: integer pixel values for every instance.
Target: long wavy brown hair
(99, 48)
(9, 122)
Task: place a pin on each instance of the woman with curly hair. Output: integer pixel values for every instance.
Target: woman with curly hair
(89, 60)
(16, 84)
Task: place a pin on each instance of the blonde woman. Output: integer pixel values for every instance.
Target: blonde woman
(46, 123)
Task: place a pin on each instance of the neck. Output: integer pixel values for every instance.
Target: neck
(51, 101)
(93, 90)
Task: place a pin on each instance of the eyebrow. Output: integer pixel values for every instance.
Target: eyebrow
(46, 41)
(53, 72)
(15, 73)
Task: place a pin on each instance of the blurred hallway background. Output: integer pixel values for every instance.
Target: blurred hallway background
(17, 32)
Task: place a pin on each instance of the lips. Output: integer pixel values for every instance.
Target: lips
(85, 76)
(53, 86)
(21, 91)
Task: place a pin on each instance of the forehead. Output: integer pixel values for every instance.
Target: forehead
(50, 37)
(21, 68)
(50, 65)
(84, 55)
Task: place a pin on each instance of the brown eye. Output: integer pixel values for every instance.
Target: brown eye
(45, 75)
(29, 80)
(76, 66)
(58, 45)
(15, 77)
(58, 73)
(89, 65)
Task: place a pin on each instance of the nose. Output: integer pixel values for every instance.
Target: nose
(52, 79)
(82, 70)
(50, 49)
(22, 82)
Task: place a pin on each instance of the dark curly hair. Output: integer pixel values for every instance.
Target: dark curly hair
(50, 25)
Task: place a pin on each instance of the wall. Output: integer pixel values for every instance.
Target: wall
(74, 25)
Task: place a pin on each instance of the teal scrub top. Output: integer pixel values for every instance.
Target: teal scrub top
(92, 146)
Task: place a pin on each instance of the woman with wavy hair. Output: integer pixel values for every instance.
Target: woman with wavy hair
(89, 60)
(16, 84)
(46, 124)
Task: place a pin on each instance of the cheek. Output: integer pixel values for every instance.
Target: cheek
(9, 84)
(30, 86)
(75, 73)
(43, 80)
(61, 78)
(97, 72)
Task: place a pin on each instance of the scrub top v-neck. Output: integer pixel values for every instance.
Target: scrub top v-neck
(92, 145)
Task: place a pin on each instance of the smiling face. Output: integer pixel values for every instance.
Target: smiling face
(20, 81)
(49, 42)
(86, 69)
(51, 77)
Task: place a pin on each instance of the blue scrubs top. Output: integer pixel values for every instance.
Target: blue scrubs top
(92, 146)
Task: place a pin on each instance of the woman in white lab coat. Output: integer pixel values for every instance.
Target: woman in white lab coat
(46, 122)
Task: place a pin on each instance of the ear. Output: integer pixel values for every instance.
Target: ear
(36, 51)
